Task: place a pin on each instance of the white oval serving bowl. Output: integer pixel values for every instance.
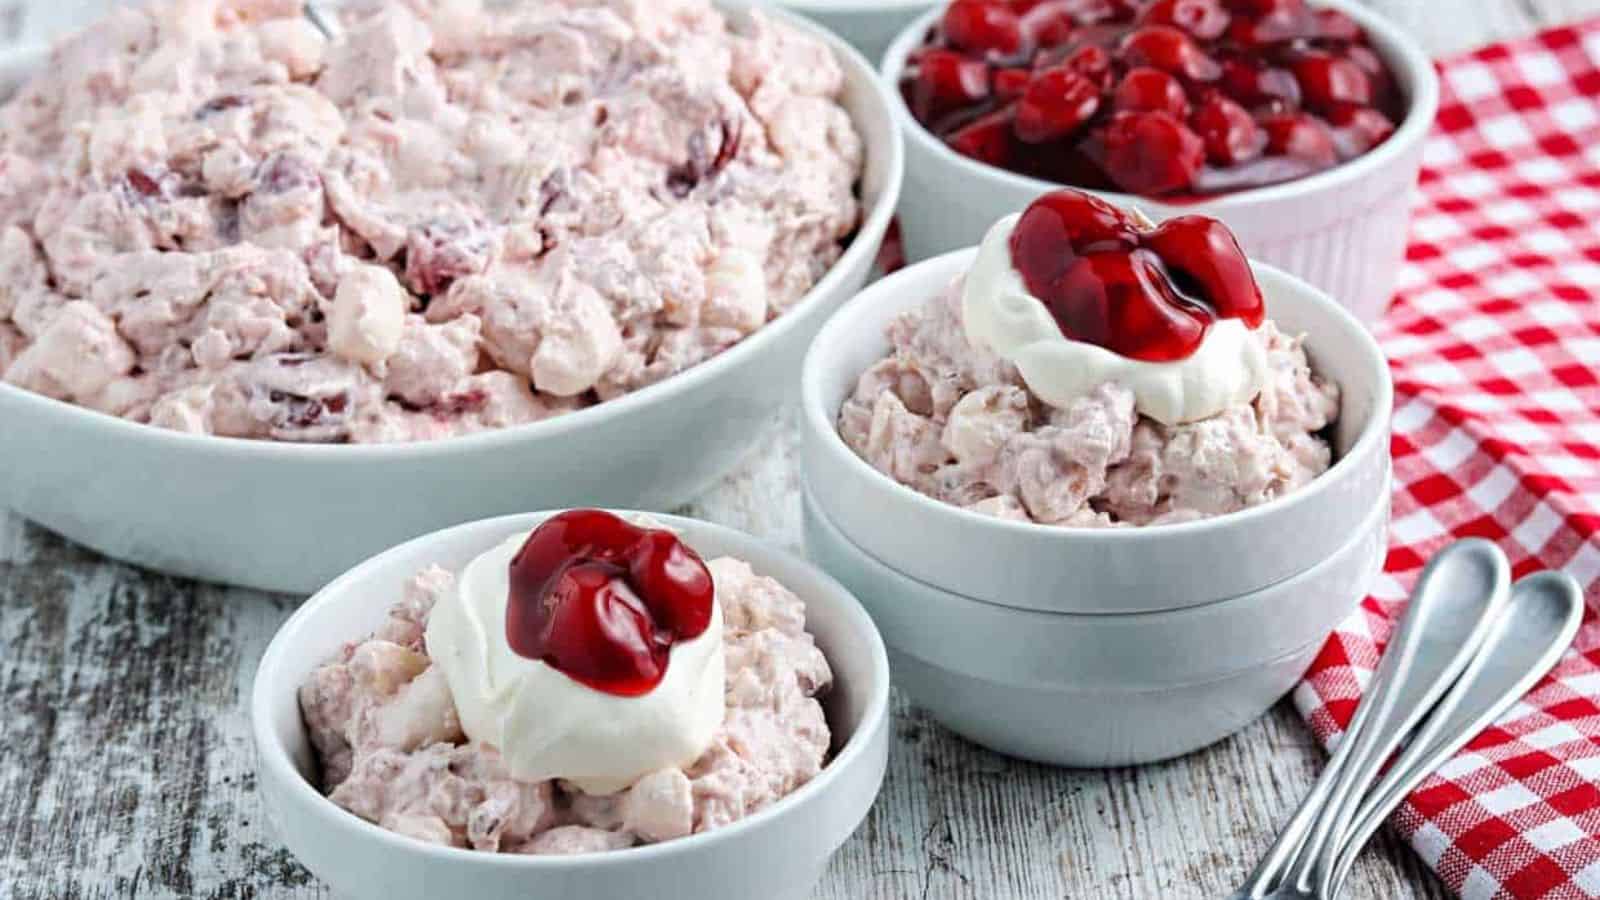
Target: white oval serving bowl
(869, 25)
(289, 517)
(1101, 690)
(779, 852)
(1096, 570)
(1344, 230)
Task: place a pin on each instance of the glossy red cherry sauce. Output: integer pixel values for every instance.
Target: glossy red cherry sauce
(603, 601)
(1169, 98)
(1146, 295)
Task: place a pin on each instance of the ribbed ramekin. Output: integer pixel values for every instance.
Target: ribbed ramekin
(1343, 230)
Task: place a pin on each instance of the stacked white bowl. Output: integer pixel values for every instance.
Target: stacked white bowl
(1096, 647)
(1343, 230)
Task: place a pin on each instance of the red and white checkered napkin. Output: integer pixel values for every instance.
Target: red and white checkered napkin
(1495, 346)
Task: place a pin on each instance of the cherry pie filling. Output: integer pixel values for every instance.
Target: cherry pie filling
(1154, 97)
(603, 601)
(1149, 295)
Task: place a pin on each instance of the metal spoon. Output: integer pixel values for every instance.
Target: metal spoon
(322, 21)
(1435, 644)
(1526, 640)
(1447, 619)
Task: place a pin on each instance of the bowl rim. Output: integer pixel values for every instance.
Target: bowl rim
(1377, 517)
(819, 421)
(1404, 55)
(860, 251)
(274, 762)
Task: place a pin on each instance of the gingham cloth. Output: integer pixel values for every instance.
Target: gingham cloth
(1494, 340)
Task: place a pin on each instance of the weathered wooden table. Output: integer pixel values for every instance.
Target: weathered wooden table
(126, 762)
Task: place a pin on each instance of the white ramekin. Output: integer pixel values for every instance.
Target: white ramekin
(1343, 230)
(1101, 690)
(287, 517)
(869, 25)
(779, 852)
(1096, 570)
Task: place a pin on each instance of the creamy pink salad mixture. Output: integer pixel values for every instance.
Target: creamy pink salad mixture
(957, 423)
(385, 728)
(451, 219)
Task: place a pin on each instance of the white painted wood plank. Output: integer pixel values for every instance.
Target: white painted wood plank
(762, 495)
(1447, 27)
(125, 762)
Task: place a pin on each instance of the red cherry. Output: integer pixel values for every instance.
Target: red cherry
(1370, 63)
(597, 632)
(1094, 12)
(1092, 62)
(1059, 227)
(1367, 59)
(1260, 23)
(1008, 84)
(1145, 296)
(1253, 84)
(441, 250)
(1266, 8)
(1123, 301)
(1205, 19)
(1334, 25)
(675, 582)
(1152, 153)
(1326, 79)
(1301, 137)
(1203, 252)
(1087, 222)
(1056, 15)
(1170, 50)
(586, 532)
(986, 139)
(1357, 129)
(945, 81)
(981, 27)
(1144, 88)
(1057, 103)
(603, 601)
(1049, 24)
(1230, 135)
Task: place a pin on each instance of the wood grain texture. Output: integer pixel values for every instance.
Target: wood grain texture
(126, 762)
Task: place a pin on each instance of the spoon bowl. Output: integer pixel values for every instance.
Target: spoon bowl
(1526, 640)
(1452, 609)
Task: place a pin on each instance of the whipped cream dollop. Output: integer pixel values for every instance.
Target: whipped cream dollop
(545, 724)
(997, 311)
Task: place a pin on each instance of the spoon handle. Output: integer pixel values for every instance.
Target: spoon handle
(321, 20)
(1454, 604)
(1444, 623)
(1525, 641)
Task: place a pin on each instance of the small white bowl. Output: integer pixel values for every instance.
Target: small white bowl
(289, 517)
(779, 852)
(869, 25)
(1343, 230)
(1101, 690)
(1096, 570)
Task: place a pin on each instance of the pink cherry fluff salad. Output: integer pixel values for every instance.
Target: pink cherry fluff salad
(461, 721)
(1092, 369)
(450, 219)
